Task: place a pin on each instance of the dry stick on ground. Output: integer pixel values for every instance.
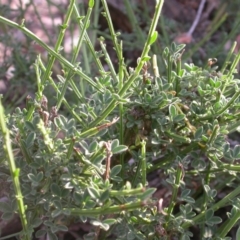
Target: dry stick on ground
(187, 37)
(197, 18)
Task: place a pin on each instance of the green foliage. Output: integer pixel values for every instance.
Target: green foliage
(90, 162)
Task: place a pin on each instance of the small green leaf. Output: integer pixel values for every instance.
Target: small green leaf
(214, 220)
(7, 216)
(97, 160)
(39, 177)
(104, 196)
(32, 177)
(188, 199)
(149, 192)
(51, 236)
(134, 219)
(56, 213)
(146, 58)
(100, 224)
(83, 115)
(172, 111)
(30, 139)
(77, 197)
(115, 170)
(236, 151)
(148, 97)
(40, 233)
(116, 179)
(209, 214)
(36, 222)
(116, 97)
(199, 132)
(57, 204)
(179, 138)
(5, 207)
(153, 38)
(93, 193)
(238, 233)
(119, 149)
(29, 126)
(93, 146)
(58, 122)
(62, 228)
(185, 192)
(218, 84)
(71, 123)
(182, 73)
(109, 221)
(179, 118)
(114, 144)
(185, 237)
(56, 190)
(90, 204)
(65, 192)
(91, 3)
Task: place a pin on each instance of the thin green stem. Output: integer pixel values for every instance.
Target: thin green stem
(51, 51)
(175, 186)
(113, 34)
(111, 29)
(108, 61)
(205, 198)
(74, 57)
(121, 111)
(142, 166)
(231, 35)
(229, 55)
(232, 100)
(228, 224)
(14, 173)
(70, 109)
(88, 42)
(39, 88)
(231, 71)
(59, 41)
(224, 202)
(70, 148)
(130, 192)
(169, 68)
(213, 135)
(96, 14)
(141, 62)
(143, 162)
(108, 210)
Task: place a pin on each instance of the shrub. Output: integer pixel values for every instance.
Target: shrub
(90, 162)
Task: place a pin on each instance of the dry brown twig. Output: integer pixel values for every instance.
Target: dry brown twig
(187, 37)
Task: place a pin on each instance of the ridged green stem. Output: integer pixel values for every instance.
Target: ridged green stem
(109, 210)
(51, 51)
(59, 41)
(14, 173)
(74, 58)
(228, 225)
